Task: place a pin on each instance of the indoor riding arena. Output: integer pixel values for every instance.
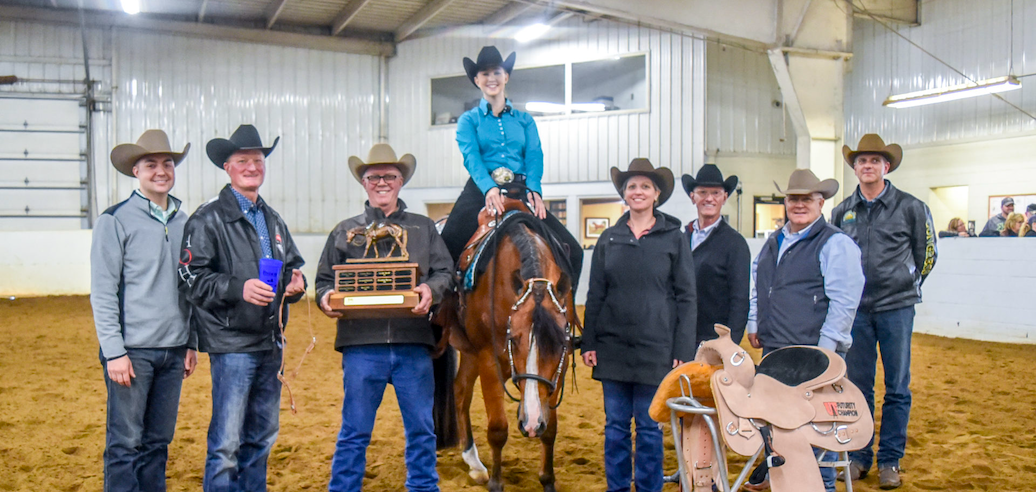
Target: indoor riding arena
(769, 91)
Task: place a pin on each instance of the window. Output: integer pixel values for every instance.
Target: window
(612, 84)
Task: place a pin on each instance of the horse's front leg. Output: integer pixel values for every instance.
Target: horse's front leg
(547, 460)
(463, 390)
(496, 428)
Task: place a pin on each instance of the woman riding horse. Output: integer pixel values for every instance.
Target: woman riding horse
(500, 145)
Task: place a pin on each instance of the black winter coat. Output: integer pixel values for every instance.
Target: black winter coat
(221, 251)
(426, 249)
(723, 273)
(896, 237)
(640, 309)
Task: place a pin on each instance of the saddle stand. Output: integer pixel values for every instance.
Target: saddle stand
(797, 398)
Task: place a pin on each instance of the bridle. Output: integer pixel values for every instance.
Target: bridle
(516, 377)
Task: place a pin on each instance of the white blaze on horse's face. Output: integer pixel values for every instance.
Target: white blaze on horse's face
(534, 420)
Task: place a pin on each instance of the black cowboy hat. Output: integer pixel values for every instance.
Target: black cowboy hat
(640, 166)
(708, 175)
(488, 58)
(246, 137)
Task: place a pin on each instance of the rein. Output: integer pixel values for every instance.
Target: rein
(312, 344)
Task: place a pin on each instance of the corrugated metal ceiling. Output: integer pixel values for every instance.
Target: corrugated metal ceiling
(380, 17)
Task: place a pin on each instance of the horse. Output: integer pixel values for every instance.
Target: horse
(376, 231)
(516, 324)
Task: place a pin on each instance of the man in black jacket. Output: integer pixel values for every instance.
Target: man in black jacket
(236, 315)
(722, 262)
(381, 351)
(897, 242)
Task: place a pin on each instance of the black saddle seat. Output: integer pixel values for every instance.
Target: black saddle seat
(794, 365)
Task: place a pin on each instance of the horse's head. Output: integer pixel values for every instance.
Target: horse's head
(538, 337)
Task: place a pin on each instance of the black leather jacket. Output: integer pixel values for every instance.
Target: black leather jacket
(220, 252)
(897, 245)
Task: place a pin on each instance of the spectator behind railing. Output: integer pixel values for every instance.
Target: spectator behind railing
(1030, 228)
(1013, 226)
(995, 225)
(957, 228)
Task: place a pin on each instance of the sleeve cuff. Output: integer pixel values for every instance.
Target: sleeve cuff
(828, 343)
(751, 327)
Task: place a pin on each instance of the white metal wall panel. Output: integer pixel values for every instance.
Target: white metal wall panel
(576, 149)
(741, 115)
(974, 37)
(321, 104)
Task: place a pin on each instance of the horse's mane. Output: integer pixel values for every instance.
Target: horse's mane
(550, 338)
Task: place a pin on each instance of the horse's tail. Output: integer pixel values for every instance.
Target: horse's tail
(444, 411)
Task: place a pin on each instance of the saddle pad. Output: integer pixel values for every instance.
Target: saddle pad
(700, 375)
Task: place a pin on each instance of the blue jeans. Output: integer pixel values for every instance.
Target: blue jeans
(366, 370)
(889, 331)
(246, 400)
(141, 420)
(624, 402)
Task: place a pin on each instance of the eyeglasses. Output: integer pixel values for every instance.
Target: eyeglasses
(708, 193)
(376, 178)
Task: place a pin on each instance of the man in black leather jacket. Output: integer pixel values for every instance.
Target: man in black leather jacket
(897, 240)
(236, 315)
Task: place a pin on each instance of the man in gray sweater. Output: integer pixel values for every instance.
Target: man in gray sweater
(146, 346)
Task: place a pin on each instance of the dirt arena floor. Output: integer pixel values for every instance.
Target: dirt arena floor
(973, 425)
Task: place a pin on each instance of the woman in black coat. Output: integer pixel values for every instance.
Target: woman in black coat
(640, 320)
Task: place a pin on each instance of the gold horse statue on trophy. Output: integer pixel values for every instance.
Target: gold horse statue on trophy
(376, 231)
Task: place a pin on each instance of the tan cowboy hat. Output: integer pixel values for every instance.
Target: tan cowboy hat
(804, 182)
(640, 166)
(871, 143)
(150, 142)
(382, 153)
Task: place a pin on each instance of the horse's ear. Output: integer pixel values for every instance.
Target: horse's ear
(517, 283)
(564, 285)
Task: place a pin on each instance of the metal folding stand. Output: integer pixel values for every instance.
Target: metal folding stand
(688, 404)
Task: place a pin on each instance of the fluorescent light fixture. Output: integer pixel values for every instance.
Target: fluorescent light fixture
(530, 32)
(588, 107)
(545, 107)
(131, 7)
(952, 93)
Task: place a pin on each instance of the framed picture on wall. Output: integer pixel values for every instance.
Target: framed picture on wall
(595, 226)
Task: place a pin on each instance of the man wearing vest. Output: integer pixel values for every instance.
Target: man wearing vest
(808, 280)
(897, 237)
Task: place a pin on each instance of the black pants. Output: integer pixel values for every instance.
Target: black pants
(463, 223)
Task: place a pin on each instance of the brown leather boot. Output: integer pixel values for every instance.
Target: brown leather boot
(888, 477)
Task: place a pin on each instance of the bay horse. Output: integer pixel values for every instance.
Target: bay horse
(516, 324)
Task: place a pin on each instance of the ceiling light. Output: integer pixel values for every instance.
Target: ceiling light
(952, 93)
(131, 7)
(530, 32)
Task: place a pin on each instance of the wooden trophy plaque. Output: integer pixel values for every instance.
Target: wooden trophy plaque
(378, 287)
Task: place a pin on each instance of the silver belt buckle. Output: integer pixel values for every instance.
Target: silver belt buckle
(502, 175)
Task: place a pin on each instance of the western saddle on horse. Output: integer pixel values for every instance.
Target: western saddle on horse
(797, 397)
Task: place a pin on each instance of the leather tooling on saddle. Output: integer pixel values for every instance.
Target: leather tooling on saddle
(477, 253)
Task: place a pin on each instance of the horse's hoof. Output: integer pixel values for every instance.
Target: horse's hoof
(548, 487)
(480, 477)
(496, 486)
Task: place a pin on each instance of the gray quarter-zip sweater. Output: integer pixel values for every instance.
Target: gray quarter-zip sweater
(133, 288)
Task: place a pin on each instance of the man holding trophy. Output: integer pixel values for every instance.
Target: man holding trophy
(379, 275)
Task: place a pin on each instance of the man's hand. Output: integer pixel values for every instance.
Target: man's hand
(753, 339)
(590, 358)
(190, 361)
(257, 292)
(121, 370)
(494, 202)
(676, 362)
(425, 293)
(297, 284)
(537, 205)
(326, 307)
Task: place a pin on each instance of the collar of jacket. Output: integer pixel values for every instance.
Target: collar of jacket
(814, 229)
(374, 214)
(231, 209)
(885, 198)
(663, 222)
(145, 202)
